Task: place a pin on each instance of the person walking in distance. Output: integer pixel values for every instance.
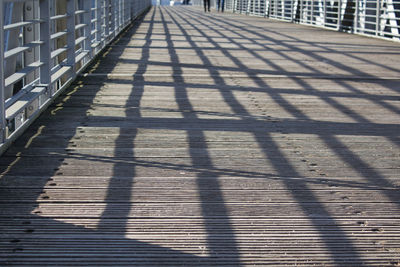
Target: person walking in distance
(221, 4)
(206, 5)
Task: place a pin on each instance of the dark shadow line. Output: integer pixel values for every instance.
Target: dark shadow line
(281, 90)
(289, 171)
(335, 104)
(196, 138)
(280, 70)
(336, 64)
(131, 245)
(366, 171)
(328, 139)
(330, 101)
(118, 171)
(292, 125)
(202, 167)
(296, 41)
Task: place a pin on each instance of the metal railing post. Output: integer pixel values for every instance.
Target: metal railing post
(117, 16)
(292, 15)
(112, 18)
(45, 57)
(2, 98)
(106, 14)
(339, 15)
(266, 8)
(87, 19)
(129, 11)
(123, 13)
(301, 11)
(312, 12)
(98, 21)
(378, 30)
(71, 35)
(133, 9)
(30, 34)
(124, 16)
(355, 24)
(270, 7)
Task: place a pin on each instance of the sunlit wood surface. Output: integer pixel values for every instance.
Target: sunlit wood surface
(213, 140)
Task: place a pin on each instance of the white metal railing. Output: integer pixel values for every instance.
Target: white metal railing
(380, 18)
(44, 45)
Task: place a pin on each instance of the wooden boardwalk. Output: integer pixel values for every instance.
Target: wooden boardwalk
(213, 140)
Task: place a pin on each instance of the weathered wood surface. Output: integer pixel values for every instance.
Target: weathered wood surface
(214, 140)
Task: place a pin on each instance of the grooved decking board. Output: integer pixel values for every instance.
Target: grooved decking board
(213, 140)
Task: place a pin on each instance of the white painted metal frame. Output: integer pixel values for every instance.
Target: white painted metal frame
(2, 98)
(379, 18)
(46, 63)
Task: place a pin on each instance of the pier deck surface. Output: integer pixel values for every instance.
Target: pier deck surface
(213, 140)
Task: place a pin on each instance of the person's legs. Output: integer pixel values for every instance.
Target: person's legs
(222, 5)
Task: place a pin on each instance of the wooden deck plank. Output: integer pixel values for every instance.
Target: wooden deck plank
(213, 140)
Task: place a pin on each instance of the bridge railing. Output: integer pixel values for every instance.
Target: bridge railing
(380, 18)
(44, 45)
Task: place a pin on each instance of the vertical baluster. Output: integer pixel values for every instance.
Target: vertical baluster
(2, 98)
(124, 17)
(111, 9)
(339, 15)
(130, 10)
(98, 15)
(271, 8)
(71, 7)
(45, 47)
(355, 24)
(312, 18)
(121, 8)
(87, 19)
(30, 34)
(106, 15)
(291, 10)
(117, 16)
(378, 30)
(133, 9)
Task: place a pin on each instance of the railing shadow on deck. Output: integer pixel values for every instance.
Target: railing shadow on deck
(57, 242)
(352, 73)
(272, 151)
(222, 253)
(52, 239)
